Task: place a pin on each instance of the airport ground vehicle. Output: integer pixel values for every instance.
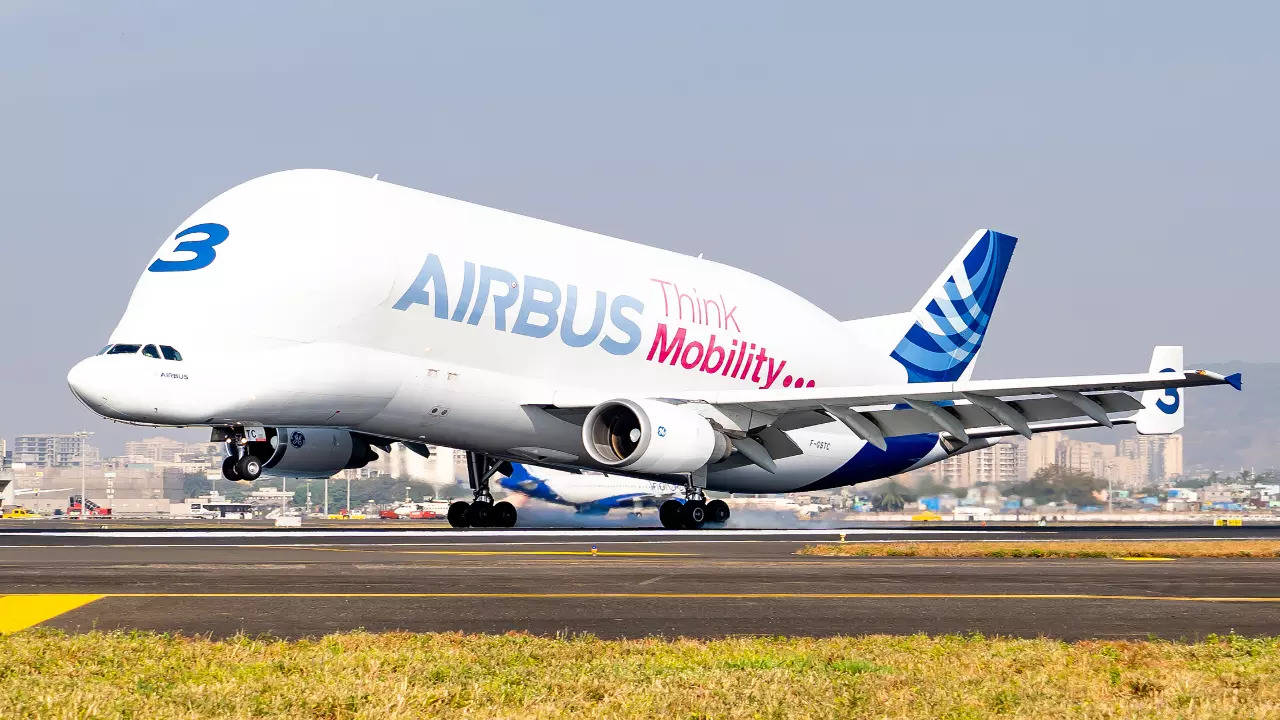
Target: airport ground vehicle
(415, 511)
(519, 340)
(926, 516)
(18, 513)
(91, 508)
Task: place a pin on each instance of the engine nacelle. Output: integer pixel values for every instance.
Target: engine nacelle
(317, 452)
(651, 436)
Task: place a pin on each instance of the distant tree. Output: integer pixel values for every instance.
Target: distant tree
(1055, 483)
(892, 498)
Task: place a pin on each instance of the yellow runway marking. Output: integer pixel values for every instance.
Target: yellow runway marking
(19, 612)
(588, 553)
(670, 596)
(1146, 559)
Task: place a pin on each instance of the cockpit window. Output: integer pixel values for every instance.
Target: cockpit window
(151, 352)
(123, 350)
(170, 353)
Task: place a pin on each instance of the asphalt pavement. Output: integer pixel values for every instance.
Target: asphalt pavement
(618, 583)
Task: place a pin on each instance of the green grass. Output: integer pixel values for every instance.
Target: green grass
(44, 673)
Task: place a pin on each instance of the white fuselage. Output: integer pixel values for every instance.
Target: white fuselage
(334, 300)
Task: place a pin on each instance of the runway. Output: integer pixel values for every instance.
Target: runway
(634, 583)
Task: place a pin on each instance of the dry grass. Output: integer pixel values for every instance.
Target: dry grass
(47, 674)
(1055, 549)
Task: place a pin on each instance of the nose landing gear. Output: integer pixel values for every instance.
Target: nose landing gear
(482, 511)
(241, 463)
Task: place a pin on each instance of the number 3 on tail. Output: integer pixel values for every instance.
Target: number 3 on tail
(1169, 407)
(203, 248)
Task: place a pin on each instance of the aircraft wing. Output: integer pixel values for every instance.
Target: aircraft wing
(985, 407)
(777, 402)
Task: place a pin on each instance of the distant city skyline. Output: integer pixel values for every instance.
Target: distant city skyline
(842, 150)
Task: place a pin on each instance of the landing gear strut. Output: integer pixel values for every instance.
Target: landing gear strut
(241, 464)
(482, 511)
(695, 511)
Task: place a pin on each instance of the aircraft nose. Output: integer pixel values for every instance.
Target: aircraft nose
(90, 384)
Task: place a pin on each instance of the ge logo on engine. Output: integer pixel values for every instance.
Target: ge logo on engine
(297, 439)
(662, 431)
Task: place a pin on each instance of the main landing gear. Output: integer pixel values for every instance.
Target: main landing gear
(694, 512)
(241, 464)
(482, 511)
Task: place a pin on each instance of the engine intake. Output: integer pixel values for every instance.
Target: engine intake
(651, 436)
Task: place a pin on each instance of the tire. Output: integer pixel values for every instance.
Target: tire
(229, 469)
(669, 514)
(693, 515)
(717, 511)
(458, 514)
(480, 514)
(249, 468)
(504, 515)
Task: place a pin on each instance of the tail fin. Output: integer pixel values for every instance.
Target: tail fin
(1163, 410)
(951, 319)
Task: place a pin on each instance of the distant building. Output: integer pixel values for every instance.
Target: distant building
(170, 451)
(1086, 457)
(1042, 451)
(50, 450)
(1159, 456)
(1001, 463)
(445, 466)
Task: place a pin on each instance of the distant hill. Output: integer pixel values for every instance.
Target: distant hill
(1230, 430)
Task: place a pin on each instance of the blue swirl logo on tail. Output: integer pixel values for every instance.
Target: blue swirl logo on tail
(950, 326)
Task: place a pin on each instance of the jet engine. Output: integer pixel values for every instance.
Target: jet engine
(651, 436)
(317, 452)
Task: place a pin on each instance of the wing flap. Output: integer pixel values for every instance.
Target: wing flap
(907, 421)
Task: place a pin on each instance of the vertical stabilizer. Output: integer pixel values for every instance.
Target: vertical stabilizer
(1162, 410)
(951, 319)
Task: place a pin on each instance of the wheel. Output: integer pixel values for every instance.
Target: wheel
(249, 468)
(717, 511)
(669, 514)
(229, 469)
(480, 514)
(504, 514)
(458, 514)
(694, 514)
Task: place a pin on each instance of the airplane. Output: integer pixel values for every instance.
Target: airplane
(310, 316)
(593, 493)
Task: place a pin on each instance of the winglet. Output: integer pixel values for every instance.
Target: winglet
(1234, 380)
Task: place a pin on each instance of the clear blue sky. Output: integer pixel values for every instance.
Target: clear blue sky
(844, 150)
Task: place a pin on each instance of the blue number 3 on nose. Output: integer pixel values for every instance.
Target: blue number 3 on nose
(203, 249)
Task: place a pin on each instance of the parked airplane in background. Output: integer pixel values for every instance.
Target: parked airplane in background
(310, 316)
(598, 493)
